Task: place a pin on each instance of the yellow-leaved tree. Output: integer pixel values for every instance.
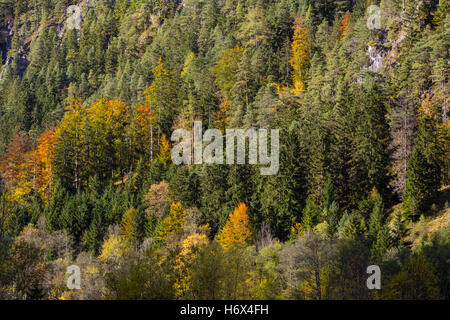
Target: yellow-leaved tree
(164, 155)
(236, 229)
(114, 249)
(127, 230)
(172, 225)
(185, 260)
(300, 56)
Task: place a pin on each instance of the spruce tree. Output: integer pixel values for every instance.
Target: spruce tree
(423, 170)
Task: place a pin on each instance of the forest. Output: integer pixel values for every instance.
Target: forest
(90, 97)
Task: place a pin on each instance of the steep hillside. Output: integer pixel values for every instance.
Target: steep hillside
(355, 94)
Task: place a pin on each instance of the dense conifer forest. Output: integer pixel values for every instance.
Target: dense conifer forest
(92, 90)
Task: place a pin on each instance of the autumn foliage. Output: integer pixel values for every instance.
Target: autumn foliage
(344, 26)
(44, 159)
(12, 164)
(107, 129)
(25, 172)
(300, 56)
(237, 228)
(172, 225)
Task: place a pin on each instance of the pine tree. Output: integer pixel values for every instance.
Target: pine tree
(310, 215)
(423, 169)
(282, 196)
(162, 98)
(441, 12)
(402, 124)
(399, 231)
(213, 187)
(381, 245)
(377, 217)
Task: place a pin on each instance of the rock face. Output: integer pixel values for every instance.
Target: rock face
(22, 64)
(383, 55)
(6, 33)
(8, 62)
(376, 59)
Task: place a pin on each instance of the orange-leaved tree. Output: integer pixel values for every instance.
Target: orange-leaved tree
(237, 228)
(44, 155)
(27, 171)
(344, 26)
(12, 164)
(300, 56)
